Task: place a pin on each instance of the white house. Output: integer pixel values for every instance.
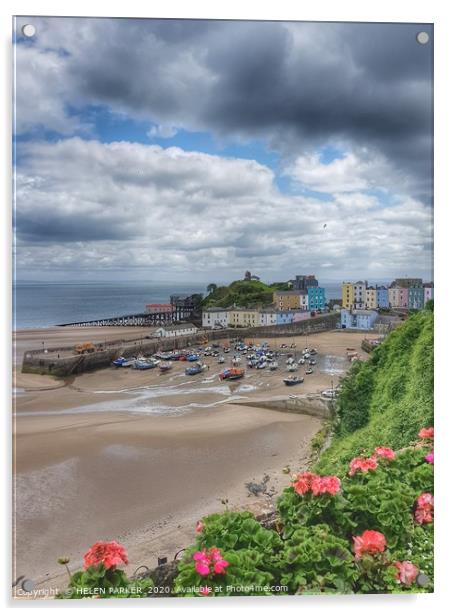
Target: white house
(358, 319)
(267, 316)
(173, 331)
(215, 318)
(304, 301)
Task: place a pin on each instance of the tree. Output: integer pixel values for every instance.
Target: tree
(211, 288)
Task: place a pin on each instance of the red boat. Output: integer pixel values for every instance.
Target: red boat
(232, 374)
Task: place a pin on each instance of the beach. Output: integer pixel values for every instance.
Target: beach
(139, 457)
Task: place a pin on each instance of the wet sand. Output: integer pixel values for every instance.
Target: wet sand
(138, 457)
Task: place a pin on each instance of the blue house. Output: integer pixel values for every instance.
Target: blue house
(415, 298)
(316, 298)
(358, 319)
(282, 318)
(382, 297)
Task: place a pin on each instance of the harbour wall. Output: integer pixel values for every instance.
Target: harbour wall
(63, 362)
(309, 404)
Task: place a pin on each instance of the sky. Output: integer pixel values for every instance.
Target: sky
(193, 150)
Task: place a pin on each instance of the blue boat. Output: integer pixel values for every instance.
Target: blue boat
(119, 361)
(196, 369)
(193, 357)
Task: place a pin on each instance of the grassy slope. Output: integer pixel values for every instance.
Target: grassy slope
(243, 293)
(398, 400)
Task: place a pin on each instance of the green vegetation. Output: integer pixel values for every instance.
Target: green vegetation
(386, 400)
(243, 293)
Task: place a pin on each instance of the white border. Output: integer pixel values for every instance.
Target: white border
(435, 11)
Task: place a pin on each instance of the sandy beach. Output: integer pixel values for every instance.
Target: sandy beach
(139, 457)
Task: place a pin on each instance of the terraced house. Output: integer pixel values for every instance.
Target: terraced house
(347, 295)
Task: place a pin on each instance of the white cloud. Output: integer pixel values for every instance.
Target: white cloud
(84, 205)
(163, 131)
(351, 173)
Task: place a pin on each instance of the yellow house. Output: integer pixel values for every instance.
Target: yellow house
(244, 317)
(347, 295)
(287, 300)
(371, 298)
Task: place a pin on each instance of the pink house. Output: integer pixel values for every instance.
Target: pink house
(403, 298)
(428, 291)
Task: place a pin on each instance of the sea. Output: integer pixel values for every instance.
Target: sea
(44, 304)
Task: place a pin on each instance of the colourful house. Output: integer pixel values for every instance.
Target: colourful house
(371, 298)
(347, 295)
(382, 297)
(286, 300)
(268, 316)
(415, 298)
(316, 298)
(359, 294)
(244, 317)
(358, 319)
(284, 317)
(215, 318)
(428, 292)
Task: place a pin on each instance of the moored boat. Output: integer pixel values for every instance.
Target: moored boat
(165, 367)
(143, 364)
(231, 374)
(195, 369)
(293, 380)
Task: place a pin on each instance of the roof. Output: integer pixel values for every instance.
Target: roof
(170, 328)
(289, 292)
(215, 309)
(159, 305)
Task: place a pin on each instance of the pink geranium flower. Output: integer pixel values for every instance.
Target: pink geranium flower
(426, 433)
(424, 509)
(385, 452)
(302, 483)
(210, 561)
(370, 542)
(363, 465)
(429, 457)
(325, 485)
(107, 553)
(406, 572)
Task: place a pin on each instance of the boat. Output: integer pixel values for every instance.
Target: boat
(273, 365)
(293, 380)
(165, 367)
(196, 369)
(220, 360)
(309, 371)
(231, 374)
(122, 362)
(143, 364)
(192, 357)
(307, 355)
(313, 351)
(312, 362)
(292, 368)
(118, 362)
(301, 361)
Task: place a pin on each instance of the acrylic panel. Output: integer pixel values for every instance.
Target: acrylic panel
(223, 308)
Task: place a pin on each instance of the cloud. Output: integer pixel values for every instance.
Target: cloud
(165, 132)
(294, 85)
(84, 206)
